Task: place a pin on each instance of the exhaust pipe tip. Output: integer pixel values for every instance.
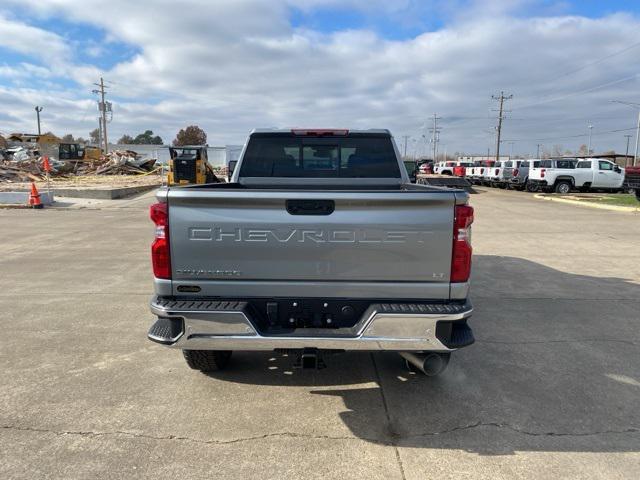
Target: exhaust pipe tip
(431, 364)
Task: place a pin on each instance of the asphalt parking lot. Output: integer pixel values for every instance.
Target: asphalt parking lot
(551, 389)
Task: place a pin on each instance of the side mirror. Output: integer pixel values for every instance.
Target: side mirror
(232, 167)
(617, 169)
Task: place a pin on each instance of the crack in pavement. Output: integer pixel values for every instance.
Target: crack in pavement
(391, 442)
(88, 433)
(524, 432)
(392, 433)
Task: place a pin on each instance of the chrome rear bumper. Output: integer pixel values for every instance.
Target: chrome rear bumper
(226, 325)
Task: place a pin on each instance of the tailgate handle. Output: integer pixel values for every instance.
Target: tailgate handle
(311, 207)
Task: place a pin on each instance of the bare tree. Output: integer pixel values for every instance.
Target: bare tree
(557, 150)
(582, 151)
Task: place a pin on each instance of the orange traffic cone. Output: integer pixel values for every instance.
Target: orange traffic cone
(34, 198)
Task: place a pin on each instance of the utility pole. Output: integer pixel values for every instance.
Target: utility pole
(102, 107)
(435, 136)
(590, 127)
(38, 110)
(626, 153)
(99, 131)
(538, 150)
(510, 150)
(406, 138)
(501, 99)
(635, 157)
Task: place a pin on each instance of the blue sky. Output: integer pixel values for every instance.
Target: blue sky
(232, 66)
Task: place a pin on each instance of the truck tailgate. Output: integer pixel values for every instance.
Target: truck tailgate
(313, 236)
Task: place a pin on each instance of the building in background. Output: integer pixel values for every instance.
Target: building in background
(481, 158)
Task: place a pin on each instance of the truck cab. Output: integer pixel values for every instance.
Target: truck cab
(598, 173)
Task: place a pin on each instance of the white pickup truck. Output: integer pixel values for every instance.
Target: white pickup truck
(566, 174)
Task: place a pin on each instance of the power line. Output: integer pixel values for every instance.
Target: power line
(588, 90)
(595, 62)
(569, 136)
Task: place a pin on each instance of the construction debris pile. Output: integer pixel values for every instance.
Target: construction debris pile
(119, 162)
(20, 164)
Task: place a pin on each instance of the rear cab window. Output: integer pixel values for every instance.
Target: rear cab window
(355, 155)
(584, 164)
(569, 164)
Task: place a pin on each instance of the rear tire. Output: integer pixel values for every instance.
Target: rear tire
(531, 188)
(562, 187)
(207, 360)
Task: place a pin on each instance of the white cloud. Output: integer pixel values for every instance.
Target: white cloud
(234, 65)
(35, 42)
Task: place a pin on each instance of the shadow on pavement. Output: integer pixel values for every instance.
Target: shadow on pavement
(555, 370)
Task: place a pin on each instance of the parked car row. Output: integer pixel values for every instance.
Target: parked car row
(452, 168)
(560, 175)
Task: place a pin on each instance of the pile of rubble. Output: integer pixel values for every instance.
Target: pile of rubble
(119, 162)
(21, 164)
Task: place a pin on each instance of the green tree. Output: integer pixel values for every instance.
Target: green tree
(147, 138)
(126, 140)
(192, 135)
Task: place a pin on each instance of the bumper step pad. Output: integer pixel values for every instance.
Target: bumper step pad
(166, 330)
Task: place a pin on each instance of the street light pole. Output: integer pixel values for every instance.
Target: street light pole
(637, 107)
(590, 127)
(38, 110)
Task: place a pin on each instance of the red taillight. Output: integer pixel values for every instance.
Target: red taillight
(481, 171)
(542, 173)
(462, 251)
(497, 171)
(515, 172)
(319, 132)
(159, 213)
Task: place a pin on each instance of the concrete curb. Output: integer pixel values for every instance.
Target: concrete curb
(616, 208)
(22, 198)
(96, 193)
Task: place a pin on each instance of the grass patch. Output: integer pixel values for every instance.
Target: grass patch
(620, 199)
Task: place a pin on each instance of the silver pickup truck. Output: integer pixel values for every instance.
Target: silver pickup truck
(319, 243)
